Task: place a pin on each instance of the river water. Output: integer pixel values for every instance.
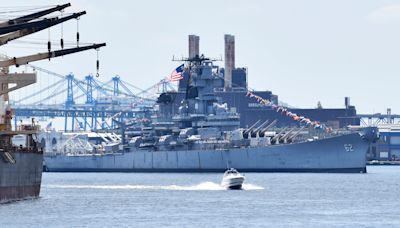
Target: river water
(197, 200)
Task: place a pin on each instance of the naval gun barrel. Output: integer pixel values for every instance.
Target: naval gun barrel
(286, 135)
(259, 127)
(276, 137)
(295, 134)
(262, 132)
(251, 128)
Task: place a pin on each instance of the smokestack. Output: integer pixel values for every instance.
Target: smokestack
(229, 60)
(193, 46)
(347, 102)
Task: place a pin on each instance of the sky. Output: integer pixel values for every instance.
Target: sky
(304, 51)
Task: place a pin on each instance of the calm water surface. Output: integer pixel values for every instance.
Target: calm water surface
(197, 200)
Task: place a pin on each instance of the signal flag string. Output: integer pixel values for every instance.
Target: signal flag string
(284, 111)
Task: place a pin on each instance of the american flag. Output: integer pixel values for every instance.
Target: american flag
(48, 127)
(176, 75)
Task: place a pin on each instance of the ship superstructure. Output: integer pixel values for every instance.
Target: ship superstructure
(235, 83)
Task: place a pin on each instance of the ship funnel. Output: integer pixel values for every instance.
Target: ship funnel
(194, 46)
(347, 102)
(229, 60)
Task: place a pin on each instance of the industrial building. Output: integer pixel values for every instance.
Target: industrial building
(388, 147)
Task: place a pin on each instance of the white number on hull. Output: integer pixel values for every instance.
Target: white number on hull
(348, 147)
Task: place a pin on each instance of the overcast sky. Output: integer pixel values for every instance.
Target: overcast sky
(303, 51)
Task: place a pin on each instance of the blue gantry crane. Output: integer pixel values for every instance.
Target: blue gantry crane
(84, 104)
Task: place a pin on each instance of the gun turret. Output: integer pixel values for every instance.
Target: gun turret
(247, 131)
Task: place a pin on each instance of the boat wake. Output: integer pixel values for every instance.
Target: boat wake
(205, 186)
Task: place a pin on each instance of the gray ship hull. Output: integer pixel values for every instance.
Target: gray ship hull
(22, 179)
(345, 153)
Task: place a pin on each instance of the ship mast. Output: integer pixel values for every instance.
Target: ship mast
(191, 64)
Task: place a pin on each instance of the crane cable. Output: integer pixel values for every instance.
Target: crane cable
(77, 31)
(97, 63)
(62, 32)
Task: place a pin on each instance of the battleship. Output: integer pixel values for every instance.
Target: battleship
(205, 136)
(21, 155)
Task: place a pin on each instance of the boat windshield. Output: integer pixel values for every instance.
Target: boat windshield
(231, 172)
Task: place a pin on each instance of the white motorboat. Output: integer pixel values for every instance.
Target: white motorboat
(232, 179)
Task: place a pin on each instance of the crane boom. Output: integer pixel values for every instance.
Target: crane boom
(13, 28)
(46, 55)
(24, 32)
(29, 17)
